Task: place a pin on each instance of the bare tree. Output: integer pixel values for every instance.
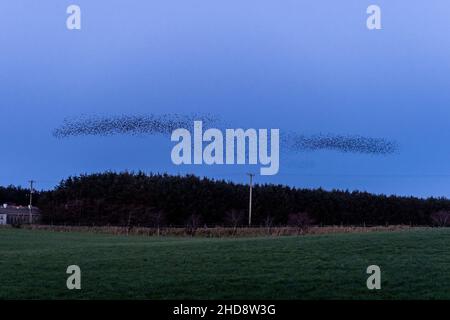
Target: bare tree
(234, 218)
(157, 219)
(441, 218)
(268, 223)
(301, 220)
(193, 223)
(133, 214)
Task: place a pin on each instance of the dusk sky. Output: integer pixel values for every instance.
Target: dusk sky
(306, 66)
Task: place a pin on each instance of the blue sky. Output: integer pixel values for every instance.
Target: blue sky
(308, 66)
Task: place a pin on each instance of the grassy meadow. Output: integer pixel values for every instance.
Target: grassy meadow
(415, 265)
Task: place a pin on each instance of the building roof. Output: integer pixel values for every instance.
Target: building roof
(17, 210)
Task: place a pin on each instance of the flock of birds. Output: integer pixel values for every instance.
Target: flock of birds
(342, 143)
(128, 124)
(152, 124)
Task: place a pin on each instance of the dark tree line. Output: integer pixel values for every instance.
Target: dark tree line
(137, 199)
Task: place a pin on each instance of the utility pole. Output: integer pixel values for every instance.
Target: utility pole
(251, 175)
(30, 207)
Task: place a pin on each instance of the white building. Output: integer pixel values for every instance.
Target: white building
(3, 218)
(12, 214)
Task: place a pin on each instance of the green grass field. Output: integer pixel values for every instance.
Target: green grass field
(415, 264)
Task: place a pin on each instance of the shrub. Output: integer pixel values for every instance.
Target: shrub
(16, 225)
(300, 220)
